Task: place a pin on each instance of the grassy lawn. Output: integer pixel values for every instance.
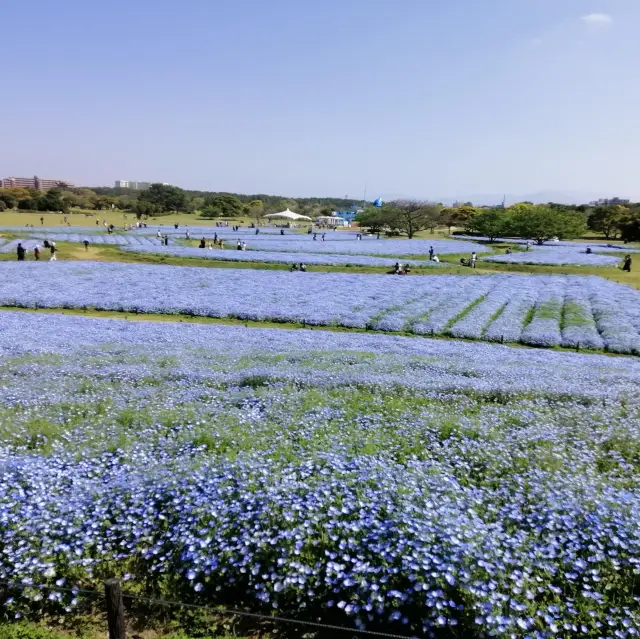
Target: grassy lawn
(118, 218)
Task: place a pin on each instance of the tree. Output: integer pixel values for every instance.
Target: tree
(411, 216)
(144, 209)
(542, 223)
(3, 206)
(195, 204)
(492, 223)
(28, 204)
(255, 209)
(457, 216)
(222, 205)
(372, 218)
(52, 200)
(607, 219)
(210, 211)
(630, 225)
(9, 200)
(105, 203)
(165, 197)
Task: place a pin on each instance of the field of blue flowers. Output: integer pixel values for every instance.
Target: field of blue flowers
(544, 311)
(422, 487)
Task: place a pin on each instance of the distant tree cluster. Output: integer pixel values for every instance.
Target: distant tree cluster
(614, 218)
(408, 217)
(540, 223)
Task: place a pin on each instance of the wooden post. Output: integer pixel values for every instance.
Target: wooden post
(115, 608)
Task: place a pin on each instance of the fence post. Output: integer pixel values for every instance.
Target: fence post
(115, 608)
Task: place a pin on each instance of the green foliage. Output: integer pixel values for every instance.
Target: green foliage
(457, 216)
(411, 216)
(223, 205)
(492, 223)
(630, 225)
(542, 223)
(27, 631)
(165, 197)
(52, 200)
(607, 219)
(10, 201)
(372, 218)
(3, 206)
(144, 209)
(401, 216)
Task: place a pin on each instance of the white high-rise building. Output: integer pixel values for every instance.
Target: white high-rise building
(129, 184)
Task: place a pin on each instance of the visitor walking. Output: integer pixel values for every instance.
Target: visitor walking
(20, 250)
(244, 245)
(36, 253)
(53, 249)
(187, 235)
(86, 244)
(627, 264)
(431, 252)
(474, 259)
(41, 220)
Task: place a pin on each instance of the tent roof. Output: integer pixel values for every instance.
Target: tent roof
(288, 215)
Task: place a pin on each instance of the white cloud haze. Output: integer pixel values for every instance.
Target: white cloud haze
(597, 19)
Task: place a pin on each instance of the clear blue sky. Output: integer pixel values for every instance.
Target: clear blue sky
(421, 98)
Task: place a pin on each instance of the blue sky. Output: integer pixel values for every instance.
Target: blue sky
(416, 98)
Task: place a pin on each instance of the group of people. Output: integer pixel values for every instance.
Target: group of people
(212, 244)
(299, 267)
(400, 269)
(22, 252)
(471, 261)
(432, 255)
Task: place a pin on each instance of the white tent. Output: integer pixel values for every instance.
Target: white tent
(287, 215)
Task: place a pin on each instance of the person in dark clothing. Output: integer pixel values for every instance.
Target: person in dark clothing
(86, 244)
(627, 264)
(36, 252)
(202, 243)
(21, 252)
(281, 231)
(257, 231)
(41, 221)
(46, 243)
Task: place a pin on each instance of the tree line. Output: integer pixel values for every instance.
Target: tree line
(539, 222)
(162, 199)
(525, 220)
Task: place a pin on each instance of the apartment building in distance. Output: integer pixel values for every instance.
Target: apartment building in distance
(129, 184)
(34, 182)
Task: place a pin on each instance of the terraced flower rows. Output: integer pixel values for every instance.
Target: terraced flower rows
(420, 487)
(547, 311)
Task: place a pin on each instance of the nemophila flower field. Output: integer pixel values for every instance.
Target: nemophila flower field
(570, 311)
(422, 487)
(275, 257)
(556, 256)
